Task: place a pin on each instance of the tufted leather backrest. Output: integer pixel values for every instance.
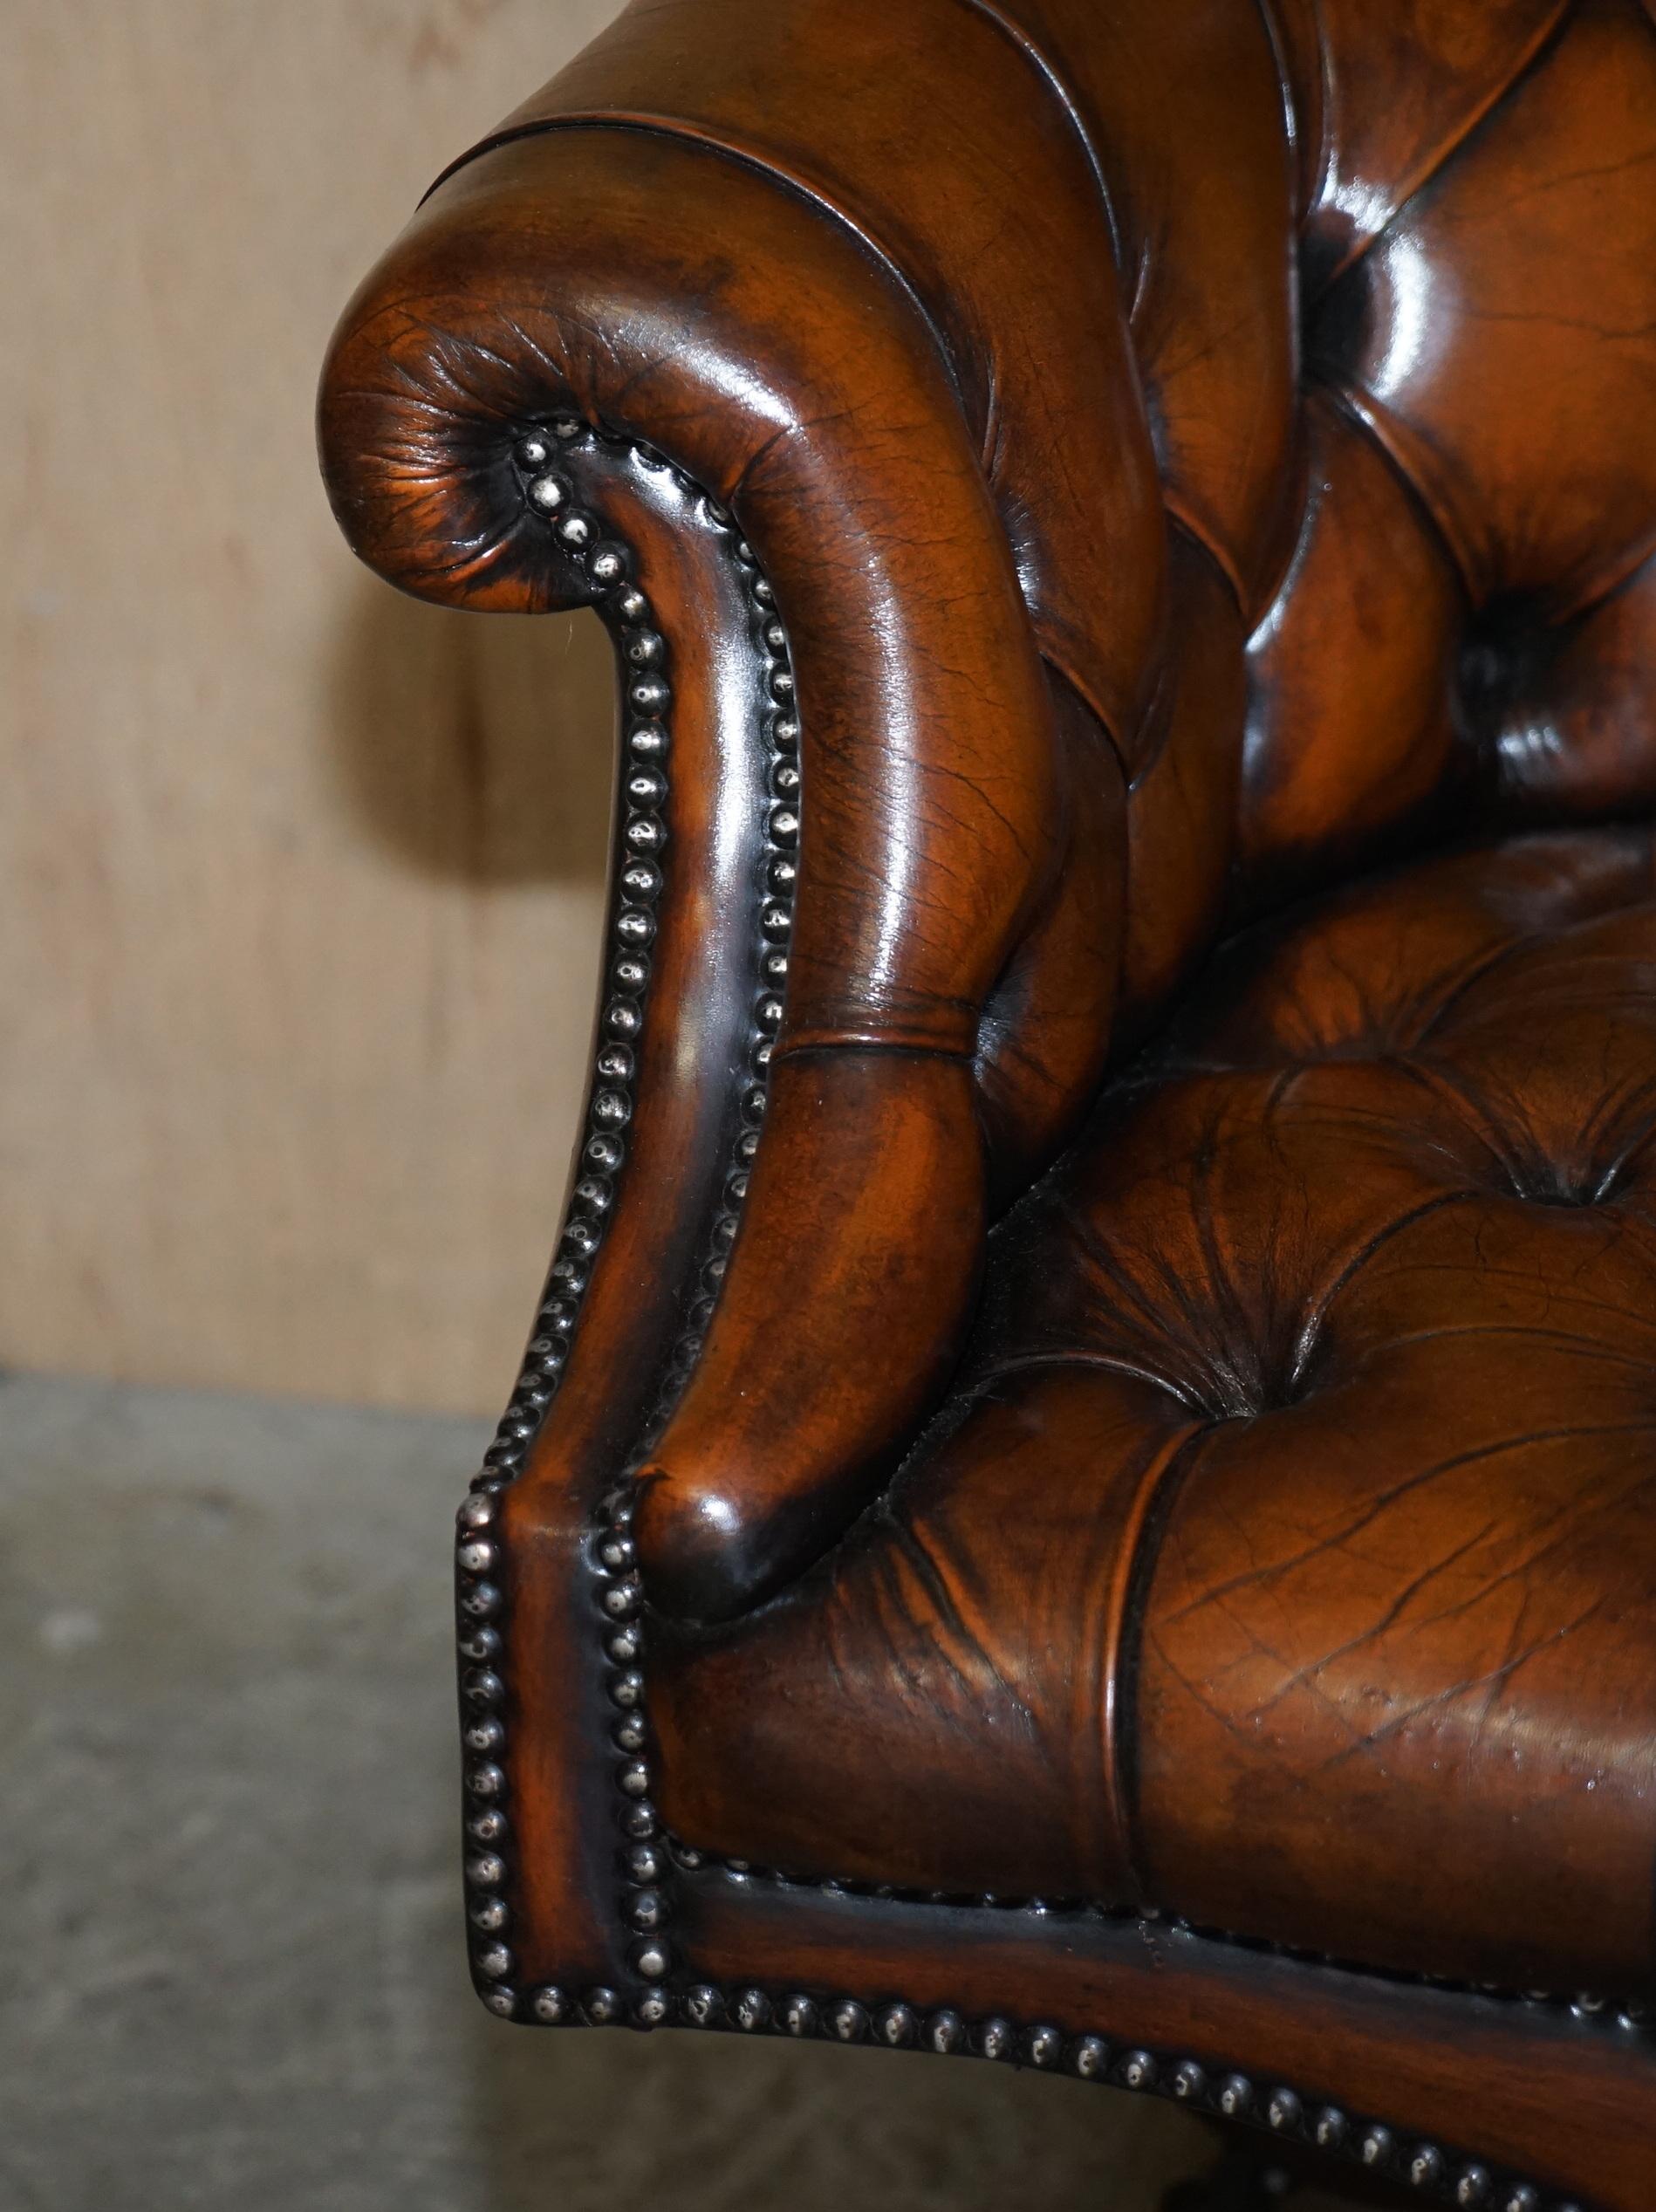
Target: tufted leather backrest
(1430, 485)
(1310, 348)
(1477, 417)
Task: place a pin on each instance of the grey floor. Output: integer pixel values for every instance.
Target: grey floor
(228, 1875)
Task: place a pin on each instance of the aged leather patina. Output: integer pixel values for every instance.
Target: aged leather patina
(1095, 1414)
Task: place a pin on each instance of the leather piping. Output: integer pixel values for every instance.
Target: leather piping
(1048, 70)
(665, 126)
(1129, 1598)
(669, 126)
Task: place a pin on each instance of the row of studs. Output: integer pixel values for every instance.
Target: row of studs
(646, 1896)
(1092, 2058)
(1628, 2016)
(548, 493)
(646, 1899)
(779, 874)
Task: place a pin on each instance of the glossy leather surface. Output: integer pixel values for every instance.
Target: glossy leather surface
(1297, 1505)
(1206, 459)
(1301, 421)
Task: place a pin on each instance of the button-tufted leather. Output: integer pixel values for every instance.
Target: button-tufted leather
(1312, 396)
(1287, 1557)
(1176, 1425)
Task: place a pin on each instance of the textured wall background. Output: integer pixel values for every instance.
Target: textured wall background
(298, 881)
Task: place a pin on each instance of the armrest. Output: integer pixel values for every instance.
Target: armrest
(658, 287)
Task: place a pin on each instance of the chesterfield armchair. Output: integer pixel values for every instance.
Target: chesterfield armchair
(1084, 1491)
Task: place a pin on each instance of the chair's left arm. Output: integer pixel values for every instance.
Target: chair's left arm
(625, 367)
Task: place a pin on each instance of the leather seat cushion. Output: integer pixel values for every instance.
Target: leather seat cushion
(1286, 1558)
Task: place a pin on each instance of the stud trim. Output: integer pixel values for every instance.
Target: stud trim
(1622, 2016)
(546, 458)
(1436, 2175)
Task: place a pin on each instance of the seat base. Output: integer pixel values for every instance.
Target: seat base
(1286, 1558)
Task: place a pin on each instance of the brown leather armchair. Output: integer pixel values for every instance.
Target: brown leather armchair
(1118, 1534)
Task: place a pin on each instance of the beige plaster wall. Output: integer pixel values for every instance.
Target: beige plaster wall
(298, 880)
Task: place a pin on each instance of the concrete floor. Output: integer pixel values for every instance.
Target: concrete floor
(229, 1876)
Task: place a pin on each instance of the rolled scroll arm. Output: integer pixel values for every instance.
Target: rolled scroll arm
(561, 302)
